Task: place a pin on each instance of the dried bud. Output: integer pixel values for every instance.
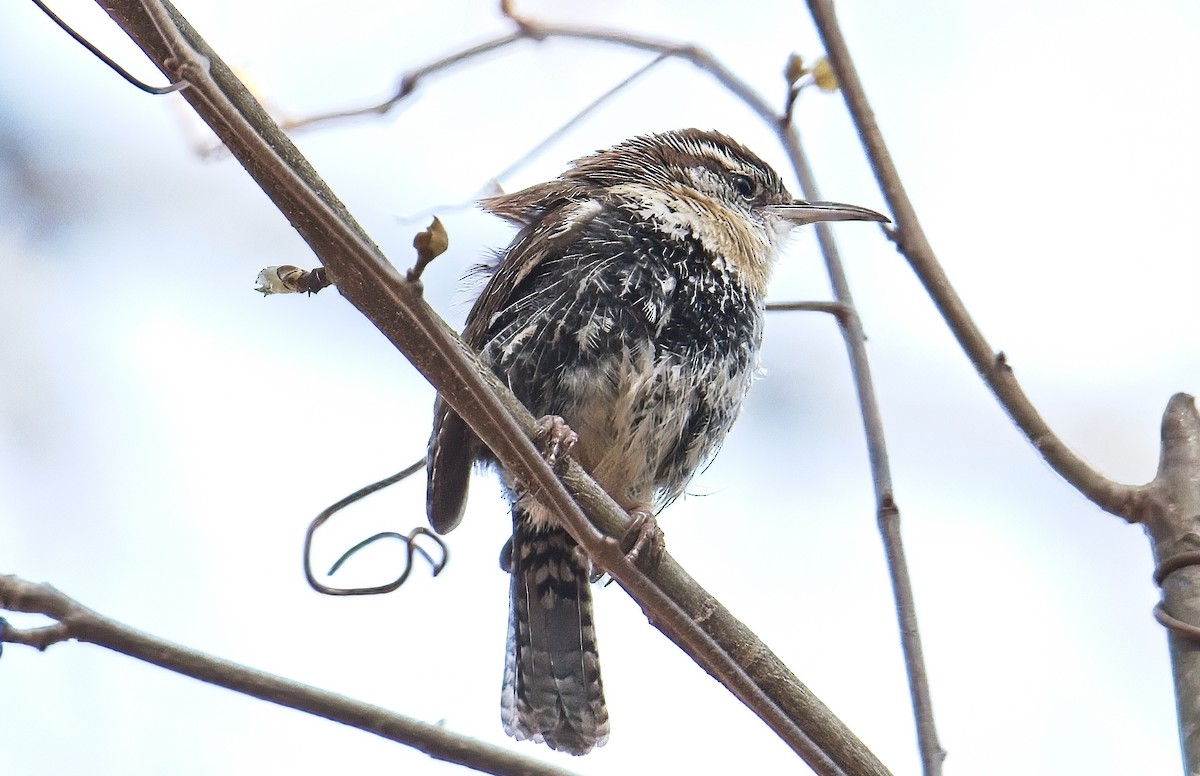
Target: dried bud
(286, 279)
(823, 75)
(794, 69)
(430, 244)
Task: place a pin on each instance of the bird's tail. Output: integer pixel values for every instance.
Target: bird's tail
(552, 690)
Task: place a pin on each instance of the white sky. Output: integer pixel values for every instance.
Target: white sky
(166, 434)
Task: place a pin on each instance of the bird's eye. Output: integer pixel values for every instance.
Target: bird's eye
(744, 186)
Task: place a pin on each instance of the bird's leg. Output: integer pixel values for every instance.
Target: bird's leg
(556, 437)
(644, 537)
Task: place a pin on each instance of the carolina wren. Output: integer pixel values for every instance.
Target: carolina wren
(631, 305)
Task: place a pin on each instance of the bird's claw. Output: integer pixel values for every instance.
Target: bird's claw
(644, 537)
(556, 437)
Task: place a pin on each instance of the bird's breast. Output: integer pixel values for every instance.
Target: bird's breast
(645, 344)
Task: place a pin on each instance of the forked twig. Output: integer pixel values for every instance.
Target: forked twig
(887, 513)
(1169, 505)
(408, 83)
(1120, 500)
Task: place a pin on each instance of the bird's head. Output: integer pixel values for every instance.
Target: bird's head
(690, 183)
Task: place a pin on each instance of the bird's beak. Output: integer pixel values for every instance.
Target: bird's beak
(801, 212)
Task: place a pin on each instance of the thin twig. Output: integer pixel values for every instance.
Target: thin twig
(583, 113)
(887, 514)
(528, 29)
(492, 186)
(367, 280)
(1169, 505)
(40, 638)
(1121, 500)
(408, 83)
(74, 621)
(106, 59)
(836, 309)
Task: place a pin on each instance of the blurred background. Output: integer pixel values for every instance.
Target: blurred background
(166, 433)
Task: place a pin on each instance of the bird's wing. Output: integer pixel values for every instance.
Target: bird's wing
(453, 446)
(452, 451)
(558, 226)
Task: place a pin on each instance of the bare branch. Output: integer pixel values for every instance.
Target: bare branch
(1121, 500)
(528, 29)
(408, 83)
(836, 309)
(41, 638)
(887, 514)
(1169, 505)
(82, 624)
(1172, 518)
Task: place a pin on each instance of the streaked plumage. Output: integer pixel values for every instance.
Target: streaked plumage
(630, 304)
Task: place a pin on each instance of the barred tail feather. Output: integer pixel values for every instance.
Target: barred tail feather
(552, 689)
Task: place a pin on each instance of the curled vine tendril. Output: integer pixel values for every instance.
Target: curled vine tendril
(409, 539)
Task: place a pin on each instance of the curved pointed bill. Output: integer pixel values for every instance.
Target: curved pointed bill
(801, 212)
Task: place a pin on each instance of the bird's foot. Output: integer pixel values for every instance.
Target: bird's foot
(643, 541)
(556, 437)
(644, 537)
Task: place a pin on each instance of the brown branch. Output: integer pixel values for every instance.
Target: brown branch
(836, 309)
(528, 29)
(1121, 500)
(1169, 506)
(887, 514)
(408, 83)
(41, 638)
(1171, 514)
(394, 306)
(492, 186)
(74, 621)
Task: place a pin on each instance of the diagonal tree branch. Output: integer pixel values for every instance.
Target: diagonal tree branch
(366, 279)
(887, 513)
(1168, 506)
(1120, 500)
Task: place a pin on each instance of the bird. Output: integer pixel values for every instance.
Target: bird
(627, 314)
